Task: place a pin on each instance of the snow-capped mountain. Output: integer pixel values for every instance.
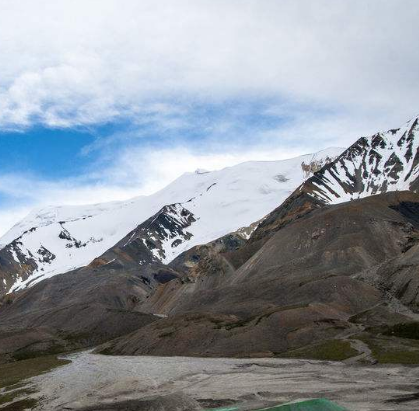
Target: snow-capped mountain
(386, 161)
(204, 206)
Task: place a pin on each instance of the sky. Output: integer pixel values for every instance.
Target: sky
(103, 100)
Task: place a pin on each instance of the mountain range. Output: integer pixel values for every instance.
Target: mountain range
(316, 254)
(55, 240)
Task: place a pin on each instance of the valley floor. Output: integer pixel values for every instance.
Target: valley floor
(96, 379)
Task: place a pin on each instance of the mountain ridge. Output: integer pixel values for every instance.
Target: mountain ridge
(74, 236)
(311, 272)
(385, 161)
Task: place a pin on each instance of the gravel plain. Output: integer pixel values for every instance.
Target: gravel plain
(93, 380)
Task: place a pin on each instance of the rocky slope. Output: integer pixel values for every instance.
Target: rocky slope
(102, 300)
(386, 161)
(303, 285)
(310, 265)
(59, 239)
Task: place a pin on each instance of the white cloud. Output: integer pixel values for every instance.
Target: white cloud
(334, 69)
(10, 216)
(28, 192)
(81, 62)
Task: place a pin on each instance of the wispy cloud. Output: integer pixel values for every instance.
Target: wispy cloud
(206, 83)
(128, 163)
(128, 167)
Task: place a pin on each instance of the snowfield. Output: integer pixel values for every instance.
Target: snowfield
(63, 238)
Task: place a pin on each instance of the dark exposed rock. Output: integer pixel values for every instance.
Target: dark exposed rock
(374, 165)
(14, 265)
(45, 255)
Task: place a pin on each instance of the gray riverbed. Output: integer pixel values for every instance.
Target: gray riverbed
(96, 379)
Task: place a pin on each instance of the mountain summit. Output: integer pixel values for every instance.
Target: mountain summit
(386, 161)
(55, 240)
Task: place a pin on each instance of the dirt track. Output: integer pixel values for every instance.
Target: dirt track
(93, 379)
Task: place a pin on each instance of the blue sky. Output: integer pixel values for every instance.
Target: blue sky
(101, 101)
(47, 152)
(57, 153)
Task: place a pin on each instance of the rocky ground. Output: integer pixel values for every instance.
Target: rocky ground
(97, 382)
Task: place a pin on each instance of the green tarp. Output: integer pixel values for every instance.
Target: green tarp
(320, 404)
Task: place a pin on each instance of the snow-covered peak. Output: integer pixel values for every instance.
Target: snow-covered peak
(386, 161)
(221, 201)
